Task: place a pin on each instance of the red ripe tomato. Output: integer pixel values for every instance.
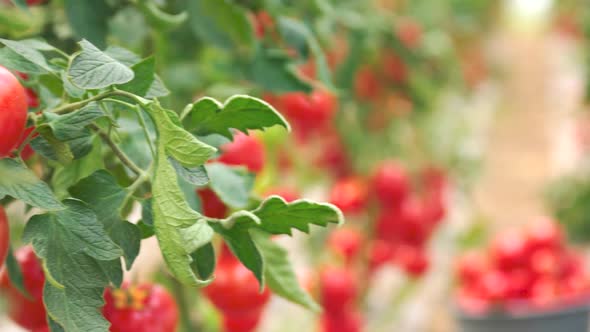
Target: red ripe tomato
(409, 32)
(366, 84)
(287, 194)
(235, 289)
(348, 321)
(333, 156)
(471, 301)
(509, 251)
(413, 260)
(394, 68)
(35, 2)
(380, 252)
(349, 194)
(13, 111)
(494, 286)
(245, 321)
(545, 262)
(4, 235)
(244, 151)
(211, 205)
(338, 289)
(388, 224)
(140, 308)
(346, 242)
(471, 267)
(413, 227)
(262, 22)
(309, 113)
(544, 234)
(29, 314)
(390, 183)
(544, 291)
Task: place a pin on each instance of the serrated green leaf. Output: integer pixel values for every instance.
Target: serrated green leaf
(89, 19)
(122, 55)
(195, 175)
(30, 49)
(68, 126)
(239, 240)
(204, 261)
(157, 89)
(21, 183)
(279, 274)
(208, 116)
(54, 326)
(94, 69)
(221, 23)
(177, 142)
(274, 72)
(196, 235)
(75, 148)
(144, 76)
(70, 88)
(232, 184)
(279, 217)
(128, 237)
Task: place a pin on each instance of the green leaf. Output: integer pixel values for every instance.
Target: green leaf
(51, 148)
(144, 76)
(22, 4)
(221, 23)
(232, 184)
(68, 126)
(128, 237)
(161, 19)
(81, 232)
(14, 273)
(195, 175)
(94, 69)
(239, 240)
(66, 176)
(21, 183)
(31, 50)
(122, 55)
(177, 142)
(12, 60)
(196, 235)
(279, 217)
(273, 71)
(297, 32)
(279, 274)
(208, 116)
(204, 261)
(89, 19)
(157, 89)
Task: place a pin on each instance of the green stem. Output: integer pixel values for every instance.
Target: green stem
(118, 152)
(77, 105)
(141, 179)
(145, 131)
(183, 307)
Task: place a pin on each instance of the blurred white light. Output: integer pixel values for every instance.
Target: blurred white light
(531, 8)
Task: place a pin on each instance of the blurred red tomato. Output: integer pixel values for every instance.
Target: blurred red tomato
(349, 194)
(366, 84)
(338, 289)
(211, 205)
(348, 321)
(390, 183)
(244, 150)
(347, 242)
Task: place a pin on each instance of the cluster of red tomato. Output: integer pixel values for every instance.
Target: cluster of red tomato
(529, 269)
(135, 308)
(235, 293)
(405, 219)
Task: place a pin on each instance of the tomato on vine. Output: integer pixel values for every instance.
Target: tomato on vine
(137, 308)
(26, 312)
(13, 111)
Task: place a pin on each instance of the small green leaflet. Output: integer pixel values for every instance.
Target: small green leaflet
(273, 70)
(21, 183)
(31, 49)
(144, 73)
(12, 60)
(221, 23)
(68, 126)
(279, 217)
(14, 272)
(51, 148)
(195, 175)
(93, 69)
(232, 184)
(75, 249)
(204, 261)
(241, 112)
(279, 274)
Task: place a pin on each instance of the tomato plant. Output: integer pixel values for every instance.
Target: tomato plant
(13, 103)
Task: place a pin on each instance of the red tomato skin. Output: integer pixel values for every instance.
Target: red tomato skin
(338, 289)
(348, 321)
(13, 111)
(346, 242)
(380, 253)
(366, 84)
(245, 321)
(394, 68)
(544, 234)
(4, 235)
(349, 194)
(390, 183)
(288, 194)
(244, 150)
(158, 312)
(470, 267)
(413, 260)
(212, 206)
(509, 250)
(30, 314)
(235, 288)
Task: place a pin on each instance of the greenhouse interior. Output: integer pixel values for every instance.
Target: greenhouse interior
(294, 166)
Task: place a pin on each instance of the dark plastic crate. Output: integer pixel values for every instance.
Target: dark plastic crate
(572, 319)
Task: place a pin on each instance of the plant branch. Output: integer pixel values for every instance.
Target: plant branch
(145, 131)
(118, 152)
(77, 105)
